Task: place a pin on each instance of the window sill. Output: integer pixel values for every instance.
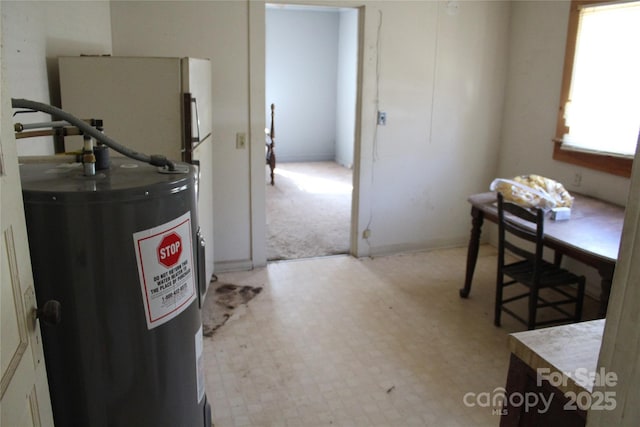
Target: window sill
(620, 166)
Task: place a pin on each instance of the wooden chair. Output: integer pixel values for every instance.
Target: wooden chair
(271, 145)
(561, 288)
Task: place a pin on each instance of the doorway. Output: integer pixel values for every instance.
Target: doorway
(311, 69)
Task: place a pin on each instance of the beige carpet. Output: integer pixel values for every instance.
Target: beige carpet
(308, 210)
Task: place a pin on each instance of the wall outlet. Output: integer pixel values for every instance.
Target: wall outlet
(241, 140)
(577, 179)
(366, 234)
(382, 118)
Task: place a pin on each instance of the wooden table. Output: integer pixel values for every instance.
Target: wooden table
(591, 236)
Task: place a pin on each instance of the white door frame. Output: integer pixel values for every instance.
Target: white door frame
(257, 126)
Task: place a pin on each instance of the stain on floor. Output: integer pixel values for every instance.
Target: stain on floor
(220, 303)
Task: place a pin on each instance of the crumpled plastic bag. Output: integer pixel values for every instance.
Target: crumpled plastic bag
(533, 191)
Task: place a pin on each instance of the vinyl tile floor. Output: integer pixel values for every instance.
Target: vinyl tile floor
(341, 341)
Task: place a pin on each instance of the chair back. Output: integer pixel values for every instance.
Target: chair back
(528, 225)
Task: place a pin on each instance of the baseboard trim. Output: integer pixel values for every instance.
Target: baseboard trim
(418, 247)
(283, 158)
(227, 266)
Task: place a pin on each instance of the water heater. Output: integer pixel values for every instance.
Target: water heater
(118, 253)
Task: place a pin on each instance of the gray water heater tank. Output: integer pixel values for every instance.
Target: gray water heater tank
(118, 251)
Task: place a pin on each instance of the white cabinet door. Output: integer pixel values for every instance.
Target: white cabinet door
(24, 392)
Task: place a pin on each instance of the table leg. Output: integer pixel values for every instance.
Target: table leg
(477, 217)
(606, 275)
(557, 258)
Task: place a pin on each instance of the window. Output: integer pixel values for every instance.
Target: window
(599, 114)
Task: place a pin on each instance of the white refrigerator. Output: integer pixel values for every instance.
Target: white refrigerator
(154, 105)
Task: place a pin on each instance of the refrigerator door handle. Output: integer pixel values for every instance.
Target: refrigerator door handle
(200, 256)
(197, 138)
(196, 163)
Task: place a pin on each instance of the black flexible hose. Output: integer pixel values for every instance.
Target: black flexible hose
(155, 159)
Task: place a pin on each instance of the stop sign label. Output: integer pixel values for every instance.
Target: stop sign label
(166, 268)
(169, 250)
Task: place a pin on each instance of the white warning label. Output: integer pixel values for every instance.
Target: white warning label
(165, 266)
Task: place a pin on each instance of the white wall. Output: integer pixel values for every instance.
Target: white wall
(441, 82)
(311, 54)
(301, 80)
(35, 33)
(217, 30)
(346, 86)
